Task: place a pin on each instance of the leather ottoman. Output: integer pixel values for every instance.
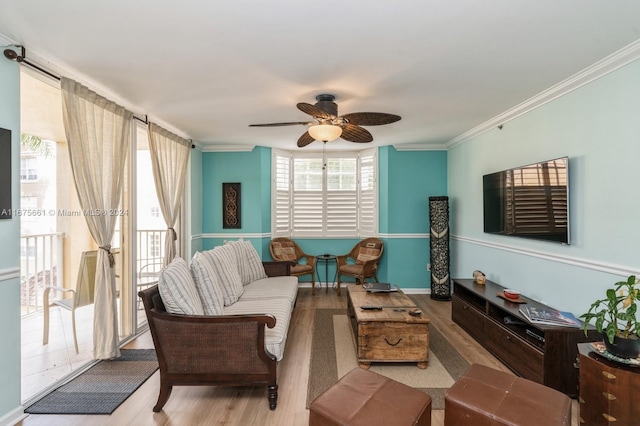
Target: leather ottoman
(484, 396)
(363, 397)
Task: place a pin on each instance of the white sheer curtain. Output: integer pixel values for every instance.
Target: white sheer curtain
(169, 158)
(98, 135)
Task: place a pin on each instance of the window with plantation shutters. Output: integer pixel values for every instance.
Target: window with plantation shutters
(368, 203)
(330, 195)
(281, 194)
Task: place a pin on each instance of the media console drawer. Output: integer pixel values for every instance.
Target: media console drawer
(544, 354)
(467, 316)
(527, 361)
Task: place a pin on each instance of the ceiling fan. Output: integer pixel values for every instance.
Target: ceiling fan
(330, 126)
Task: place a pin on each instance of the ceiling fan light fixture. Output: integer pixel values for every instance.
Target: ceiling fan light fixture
(325, 132)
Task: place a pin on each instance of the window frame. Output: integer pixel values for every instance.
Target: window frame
(350, 221)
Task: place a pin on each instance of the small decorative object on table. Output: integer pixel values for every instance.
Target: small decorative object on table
(511, 294)
(616, 318)
(479, 277)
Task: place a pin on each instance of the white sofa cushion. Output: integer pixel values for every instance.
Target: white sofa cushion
(272, 287)
(225, 267)
(208, 288)
(274, 338)
(177, 289)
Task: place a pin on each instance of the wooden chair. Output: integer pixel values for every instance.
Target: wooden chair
(285, 249)
(364, 261)
(82, 295)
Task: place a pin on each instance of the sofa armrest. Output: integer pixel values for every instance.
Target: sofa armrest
(277, 269)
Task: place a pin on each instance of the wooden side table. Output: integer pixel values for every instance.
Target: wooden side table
(609, 390)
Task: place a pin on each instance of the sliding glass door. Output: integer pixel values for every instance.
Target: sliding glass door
(56, 243)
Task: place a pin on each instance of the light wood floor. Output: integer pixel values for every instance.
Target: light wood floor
(248, 406)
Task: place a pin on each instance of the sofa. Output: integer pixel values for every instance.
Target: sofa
(222, 320)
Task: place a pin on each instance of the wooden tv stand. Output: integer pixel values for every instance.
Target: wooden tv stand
(543, 354)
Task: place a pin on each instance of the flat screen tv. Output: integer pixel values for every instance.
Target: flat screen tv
(530, 201)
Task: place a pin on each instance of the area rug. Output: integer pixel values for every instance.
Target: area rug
(333, 354)
(102, 388)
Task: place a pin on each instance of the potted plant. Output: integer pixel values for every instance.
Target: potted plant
(615, 317)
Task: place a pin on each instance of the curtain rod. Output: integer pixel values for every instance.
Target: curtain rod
(22, 58)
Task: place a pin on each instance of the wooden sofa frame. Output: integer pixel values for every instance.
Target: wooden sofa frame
(224, 350)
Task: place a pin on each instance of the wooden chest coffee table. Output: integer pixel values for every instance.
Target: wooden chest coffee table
(388, 335)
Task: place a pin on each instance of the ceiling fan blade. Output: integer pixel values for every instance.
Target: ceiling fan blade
(314, 111)
(305, 140)
(353, 133)
(371, 118)
(290, 123)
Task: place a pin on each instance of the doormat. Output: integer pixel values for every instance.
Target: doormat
(102, 388)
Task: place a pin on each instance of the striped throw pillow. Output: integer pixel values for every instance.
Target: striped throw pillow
(253, 269)
(177, 289)
(208, 287)
(225, 268)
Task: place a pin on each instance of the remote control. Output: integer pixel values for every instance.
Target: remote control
(371, 308)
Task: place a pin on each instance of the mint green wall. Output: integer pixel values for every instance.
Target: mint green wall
(9, 253)
(196, 200)
(598, 127)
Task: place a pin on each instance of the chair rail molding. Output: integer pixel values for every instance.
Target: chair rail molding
(9, 273)
(404, 236)
(230, 236)
(610, 268)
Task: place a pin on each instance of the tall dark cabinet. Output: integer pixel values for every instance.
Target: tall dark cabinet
(439, 248)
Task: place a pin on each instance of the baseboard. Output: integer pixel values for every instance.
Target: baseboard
(13, 417)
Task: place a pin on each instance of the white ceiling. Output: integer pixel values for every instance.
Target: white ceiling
(208, 69)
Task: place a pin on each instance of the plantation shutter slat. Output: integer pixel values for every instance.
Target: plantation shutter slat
(368, 224)
(342, 212)
(282, 195)
(307, 212)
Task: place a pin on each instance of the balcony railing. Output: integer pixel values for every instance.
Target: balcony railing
(42, 263)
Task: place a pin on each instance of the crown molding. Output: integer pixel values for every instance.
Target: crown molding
(601, 68)
(227, 148)
(6, 41)
(420, 147)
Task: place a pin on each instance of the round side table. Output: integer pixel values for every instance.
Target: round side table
(326, 258)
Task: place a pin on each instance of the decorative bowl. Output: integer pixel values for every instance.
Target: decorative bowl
(511, 294)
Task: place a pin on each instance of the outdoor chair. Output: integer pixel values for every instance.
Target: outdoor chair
(82, 295)
(361, 262)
